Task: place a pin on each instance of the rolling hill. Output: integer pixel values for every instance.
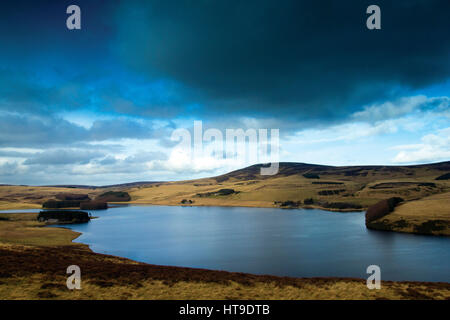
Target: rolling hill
(297, 185)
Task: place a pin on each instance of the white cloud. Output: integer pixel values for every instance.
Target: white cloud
(434, 147)
(345, 132)
(402, 107)
(408, 114)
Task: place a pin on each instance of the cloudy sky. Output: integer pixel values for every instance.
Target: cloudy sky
(99, 105)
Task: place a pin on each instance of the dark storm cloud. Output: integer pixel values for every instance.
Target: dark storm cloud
(301, 59)
(34, 31)
(24, 91)
(289, 64)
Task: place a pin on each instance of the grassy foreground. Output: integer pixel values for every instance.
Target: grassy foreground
(33, 263)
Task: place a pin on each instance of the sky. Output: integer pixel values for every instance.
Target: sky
(100, 105)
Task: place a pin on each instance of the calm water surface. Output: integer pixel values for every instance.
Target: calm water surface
(301, 243)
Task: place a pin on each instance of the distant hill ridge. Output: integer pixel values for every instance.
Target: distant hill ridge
(129, 184)
(287, 169)
(295, 168)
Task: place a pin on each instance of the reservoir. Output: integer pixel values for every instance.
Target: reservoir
(294, 242)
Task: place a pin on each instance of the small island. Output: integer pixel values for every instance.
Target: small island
(63, 217)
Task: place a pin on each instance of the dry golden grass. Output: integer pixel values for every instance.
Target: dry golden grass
(33, 259)
(23, 228)
(41, 287)
(258, 191)
(6, 205)
(27, 197)
(263, 193)
(432, 207)
(38, 273)
(417, 212)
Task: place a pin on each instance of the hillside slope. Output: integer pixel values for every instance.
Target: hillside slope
(295, 182)
(429, 215)
(322, 186)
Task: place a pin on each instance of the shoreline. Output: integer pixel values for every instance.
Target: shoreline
(254, 274)
(39, 266)
(110, 277)
(308, 207)
(247, 273)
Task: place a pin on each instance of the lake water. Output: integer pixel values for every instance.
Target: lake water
(300, 243)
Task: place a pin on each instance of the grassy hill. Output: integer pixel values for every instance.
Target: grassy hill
(23, 241)
(429, 215)
(361, 185)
